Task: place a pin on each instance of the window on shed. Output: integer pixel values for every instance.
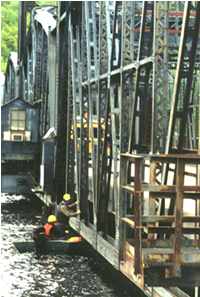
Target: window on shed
(18, 119)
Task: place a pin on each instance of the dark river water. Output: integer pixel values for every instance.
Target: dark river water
(26, 275)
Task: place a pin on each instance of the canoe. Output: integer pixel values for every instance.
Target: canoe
(52, 246)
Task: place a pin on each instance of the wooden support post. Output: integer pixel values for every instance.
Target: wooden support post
(152, 202)
(138, 218)
(178, 217)
(122, 206)
(153, 166)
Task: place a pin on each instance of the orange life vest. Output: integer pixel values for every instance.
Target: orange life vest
(47, 229)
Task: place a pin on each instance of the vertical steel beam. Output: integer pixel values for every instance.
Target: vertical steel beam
(61, 98)
(90, 26)
(84, 170)
(74, 48)
(177, 81)
(144, 50)
(80, 108)
(190, 71)
(70, 147)
(105, 166)
(160, 95)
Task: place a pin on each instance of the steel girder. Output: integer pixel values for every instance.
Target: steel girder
(123, 59)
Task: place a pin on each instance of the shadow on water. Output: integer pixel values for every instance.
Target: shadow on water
(25, 275)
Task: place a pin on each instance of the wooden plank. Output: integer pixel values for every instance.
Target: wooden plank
(171, 230)
(167, 218)
(166, 243)
(190, 255)
(88, 234)
(188, 158)
(163, 189)
(160, 229)
(164, 256)
(170, 251)
(166, 189)
(172, 195)
(108, 251)
(152, 202)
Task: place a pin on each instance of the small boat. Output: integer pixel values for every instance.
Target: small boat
(72, 245)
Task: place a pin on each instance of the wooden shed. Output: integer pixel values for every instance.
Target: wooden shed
(19, 130)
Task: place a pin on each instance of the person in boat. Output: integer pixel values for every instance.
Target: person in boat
(66, 209)
(54, 229)
(49, 231)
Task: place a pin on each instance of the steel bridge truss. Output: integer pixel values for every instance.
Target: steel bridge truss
(132, 135)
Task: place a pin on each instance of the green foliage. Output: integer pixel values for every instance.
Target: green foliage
(9, 28)
(43, 2)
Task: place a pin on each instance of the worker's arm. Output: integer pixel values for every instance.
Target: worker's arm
(73, 204)
(69, 213)
(74, 213)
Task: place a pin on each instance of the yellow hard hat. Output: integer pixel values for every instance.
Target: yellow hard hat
(52, 219)
(66, 197)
